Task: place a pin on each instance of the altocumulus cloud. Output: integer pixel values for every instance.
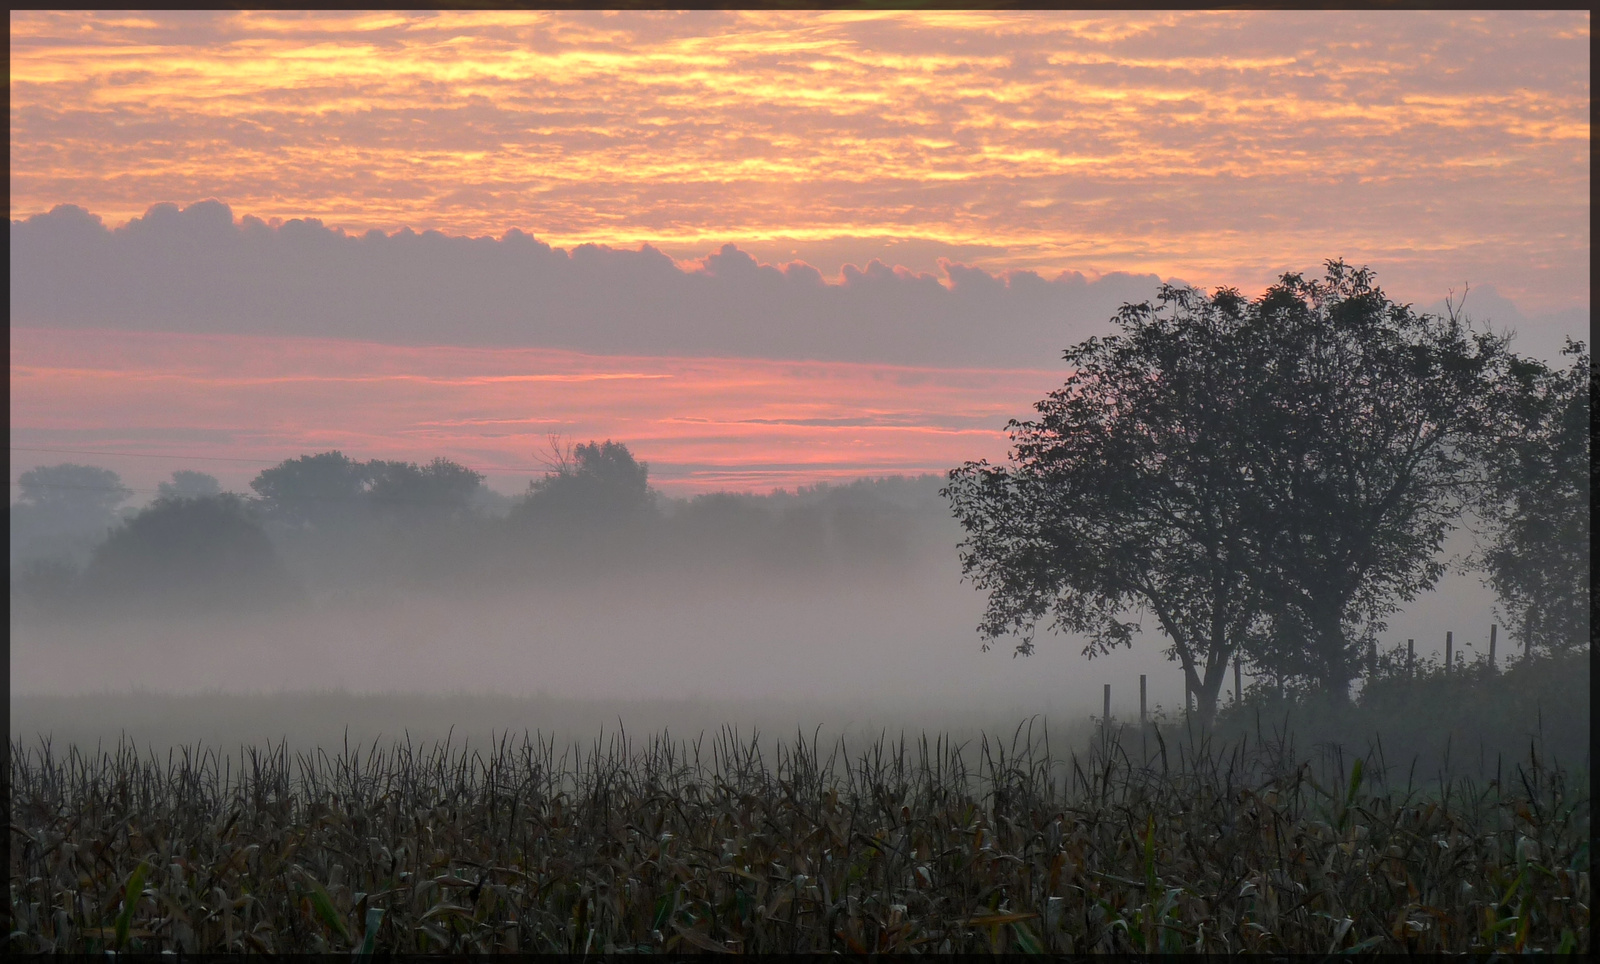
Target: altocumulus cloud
(199, 270)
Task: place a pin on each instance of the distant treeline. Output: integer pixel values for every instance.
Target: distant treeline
(325, 525)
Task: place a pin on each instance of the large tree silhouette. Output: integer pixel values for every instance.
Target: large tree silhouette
(1126, 494)
(1269, 477)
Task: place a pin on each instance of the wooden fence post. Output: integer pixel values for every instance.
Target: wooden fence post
(1142, 680)
(1106, 716)
(1238, 680)
(1493, 630)
(1449, 650)
(1411, 657)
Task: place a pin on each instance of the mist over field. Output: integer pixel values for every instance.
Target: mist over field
(867, 627)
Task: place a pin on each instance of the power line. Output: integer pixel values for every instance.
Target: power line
(145, 455)
(70, 485)
(223, 458)
(365, 496)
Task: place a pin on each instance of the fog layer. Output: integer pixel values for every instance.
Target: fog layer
(901, 629)
(410, 601)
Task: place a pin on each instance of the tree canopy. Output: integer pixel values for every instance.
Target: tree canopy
(203, 553)
(1538, 502)
(63, 509)
(1267, 477)
(75, 488)
(188, 484)
(591, 483)
(438, 490)
(321, 489)
(1362, 419)
(332, 489)
(1126, 493)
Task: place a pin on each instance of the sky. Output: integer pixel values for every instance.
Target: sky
(760, 248)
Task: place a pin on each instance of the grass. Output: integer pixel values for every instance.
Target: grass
(1148, 841)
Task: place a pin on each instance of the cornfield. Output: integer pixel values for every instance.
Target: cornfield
(721, 844)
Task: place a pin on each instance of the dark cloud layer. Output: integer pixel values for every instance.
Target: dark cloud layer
(197, 269)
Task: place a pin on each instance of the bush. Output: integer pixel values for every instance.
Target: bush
(1464, 719)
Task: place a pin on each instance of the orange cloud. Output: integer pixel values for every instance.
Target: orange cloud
(1217, 147)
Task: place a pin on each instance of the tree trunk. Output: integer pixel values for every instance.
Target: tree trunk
(1207, 687)
(1336, 670)
(1205, 709)
(1204, 682)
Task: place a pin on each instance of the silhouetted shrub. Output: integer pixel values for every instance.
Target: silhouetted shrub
(1464, 718)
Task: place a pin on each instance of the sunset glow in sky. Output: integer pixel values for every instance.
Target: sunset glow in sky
(1441, 148)
(696, 419)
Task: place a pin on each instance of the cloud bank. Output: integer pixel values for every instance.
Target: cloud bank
(198, 270)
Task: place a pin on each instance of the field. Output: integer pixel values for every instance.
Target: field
(1130, 840)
